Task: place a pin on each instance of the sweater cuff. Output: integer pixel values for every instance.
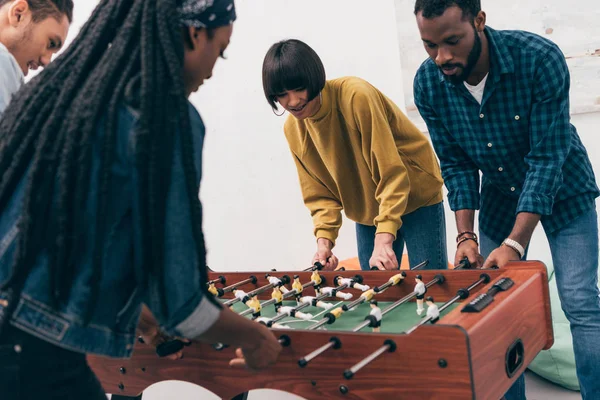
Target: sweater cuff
(390, 227)
(325, 234)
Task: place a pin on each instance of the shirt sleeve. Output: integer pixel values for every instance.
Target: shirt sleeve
(324, 207)
(550, 135)
(460, 174)
(191, 309)
(10, 81)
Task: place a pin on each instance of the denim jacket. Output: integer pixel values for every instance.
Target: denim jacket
(111, 331)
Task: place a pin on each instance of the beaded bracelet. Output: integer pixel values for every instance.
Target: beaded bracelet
(465, 239)
(464, 233)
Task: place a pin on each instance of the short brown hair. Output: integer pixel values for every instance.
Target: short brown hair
(289, 65)
(42, 9)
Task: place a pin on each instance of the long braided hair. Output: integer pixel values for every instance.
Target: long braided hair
(48, 131)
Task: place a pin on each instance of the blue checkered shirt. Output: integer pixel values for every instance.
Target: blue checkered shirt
(520, 137)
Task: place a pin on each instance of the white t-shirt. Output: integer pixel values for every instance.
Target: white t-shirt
(11, 77)
(477, 90)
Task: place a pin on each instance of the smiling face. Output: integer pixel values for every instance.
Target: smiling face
(297, 103)
(453, 41)
(32, 43)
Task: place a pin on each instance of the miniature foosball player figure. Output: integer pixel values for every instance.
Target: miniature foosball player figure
(277, 296)
(331, 292)
(241, 295)
(213, 289)
(433, 311)
(352, 283)
(254, 305)
(376, 313)
(420, 290)
(297, 285)
(275, 281)
(291, 312)
(311, 300)
(316, 279)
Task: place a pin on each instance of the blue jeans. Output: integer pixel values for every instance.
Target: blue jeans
(32, 369)
(423, 230)
(574, 250)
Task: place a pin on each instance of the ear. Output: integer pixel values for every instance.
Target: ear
(480, 21)
(194, 38)
(19, 12)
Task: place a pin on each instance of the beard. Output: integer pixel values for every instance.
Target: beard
(19, 46)
(474, 55)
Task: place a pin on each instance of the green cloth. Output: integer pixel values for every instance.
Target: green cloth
(399, 320)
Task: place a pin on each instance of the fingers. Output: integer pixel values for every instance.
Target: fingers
(384, 260)
(237, 363)
(334, 261)
(175, 356)
(392, 256)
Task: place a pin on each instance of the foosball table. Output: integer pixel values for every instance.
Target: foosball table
(366, 335)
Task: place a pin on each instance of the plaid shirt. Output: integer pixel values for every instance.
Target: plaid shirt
(519, 137)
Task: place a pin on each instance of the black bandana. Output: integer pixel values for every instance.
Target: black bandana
(207, 13)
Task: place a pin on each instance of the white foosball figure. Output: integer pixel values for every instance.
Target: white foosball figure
(277, 282)
(339, 281)
(376, 312)
(433, 311)
(309, 300)
(329, 292)
(241, 295)
(265, 321)
(420, 290)
(289, 311)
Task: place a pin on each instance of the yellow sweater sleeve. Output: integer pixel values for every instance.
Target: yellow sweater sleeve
(381, 154)
(325, 209)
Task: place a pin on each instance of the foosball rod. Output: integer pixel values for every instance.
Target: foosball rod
(461, 294)
(221, 279)
(439, 279)
(286, 295)
(388, 346)
(252, 279)
(303, 306)
(368, 295)
(419, 266)
(284, 279)
(316, 267)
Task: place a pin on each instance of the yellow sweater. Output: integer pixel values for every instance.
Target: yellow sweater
(361, 154)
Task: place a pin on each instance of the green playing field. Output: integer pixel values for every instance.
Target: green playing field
(398, 320)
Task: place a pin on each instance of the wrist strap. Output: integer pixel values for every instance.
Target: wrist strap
(513, 244)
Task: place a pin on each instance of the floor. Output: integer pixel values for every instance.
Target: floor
(537, 388)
